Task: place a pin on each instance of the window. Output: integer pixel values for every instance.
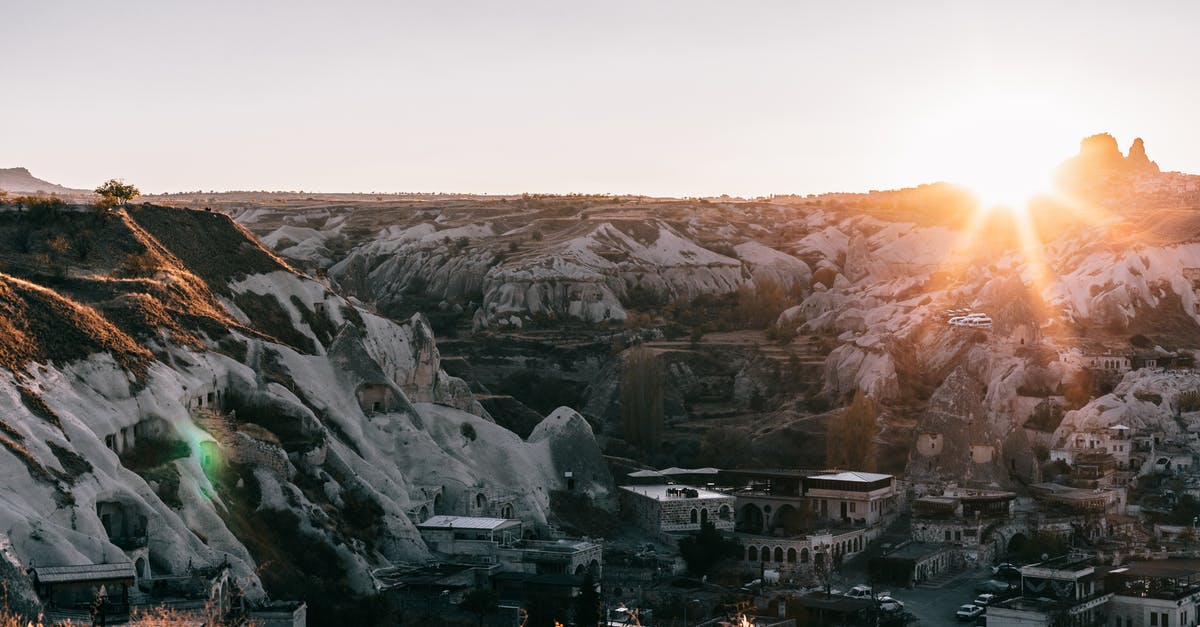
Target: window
(1154, 619)
(947, 535)
(852, 504)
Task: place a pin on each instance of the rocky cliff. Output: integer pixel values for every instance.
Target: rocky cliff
(133, 358)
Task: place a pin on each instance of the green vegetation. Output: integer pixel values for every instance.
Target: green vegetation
(642, 397)
(850, 439)
(480, 602)
(151, 452)
(117, 191)
(588, 604)
(705, 549)
(1046, 416)
(1188, 401)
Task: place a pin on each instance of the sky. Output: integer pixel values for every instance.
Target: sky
(687, 98)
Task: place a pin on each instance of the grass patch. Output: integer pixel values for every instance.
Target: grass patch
(151, 453)
(167, 477)
(73, 465)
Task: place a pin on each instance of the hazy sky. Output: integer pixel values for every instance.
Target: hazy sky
(675, 98)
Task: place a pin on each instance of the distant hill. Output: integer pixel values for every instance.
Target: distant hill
(21, 181)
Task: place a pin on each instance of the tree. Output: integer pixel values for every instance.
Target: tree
(704, 550)
(850, 438)
(480, 602)
(118, 191)
(642, 397)
(587, 604)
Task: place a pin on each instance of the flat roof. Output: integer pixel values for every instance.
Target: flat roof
(659, 492)
(84, 572)
(673, 471)
(853, 475)
(1164, 568)
(467, 522)
(916, 550)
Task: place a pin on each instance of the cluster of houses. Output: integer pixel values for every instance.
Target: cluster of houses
(791, 522)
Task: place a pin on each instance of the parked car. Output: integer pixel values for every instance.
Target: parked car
(1008, 572)
(864, 591)
(968, 612)
(984, 600)
(859, 592)
(889, 604)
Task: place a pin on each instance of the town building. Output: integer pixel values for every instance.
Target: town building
(861, 498)
(1062, 591)
(1159, 593)
(911, 563)
(500, 541)
(676, 508)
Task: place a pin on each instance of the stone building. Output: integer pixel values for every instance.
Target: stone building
(800, 553)
(676, 509)
(500, 541)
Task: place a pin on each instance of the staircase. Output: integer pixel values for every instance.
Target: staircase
(941, 580)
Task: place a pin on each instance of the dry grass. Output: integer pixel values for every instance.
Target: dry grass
(153, 617)
(213, 246)
(38, 325)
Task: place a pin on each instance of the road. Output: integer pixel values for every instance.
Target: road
(935, 607)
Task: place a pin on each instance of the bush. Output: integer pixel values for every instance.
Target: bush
(468, 431)
(141, 264)
(1188, 401)
(704, 550)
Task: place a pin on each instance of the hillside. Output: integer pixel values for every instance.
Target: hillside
(20, 181)
(161, 363)
(766, 314)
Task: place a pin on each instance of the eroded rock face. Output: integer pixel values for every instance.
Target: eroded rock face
(336, 397)
(956, 438)
(1137, 159)
(573, 450)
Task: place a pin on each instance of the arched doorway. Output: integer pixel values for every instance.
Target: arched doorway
(788, 518)
(750, 519)
(703, 515)
(1017, 543)
(143, 569)
(752, 554)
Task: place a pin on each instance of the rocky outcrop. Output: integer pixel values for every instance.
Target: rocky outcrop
(1137, 161)
(89, 415)
(955, 438)
(574, 452)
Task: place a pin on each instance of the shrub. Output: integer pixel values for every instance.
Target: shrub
(141, 264)
(468, 431)
(1188, 401)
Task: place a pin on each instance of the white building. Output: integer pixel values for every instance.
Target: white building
(861, 498)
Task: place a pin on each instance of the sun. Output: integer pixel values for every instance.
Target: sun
(1000, 187)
